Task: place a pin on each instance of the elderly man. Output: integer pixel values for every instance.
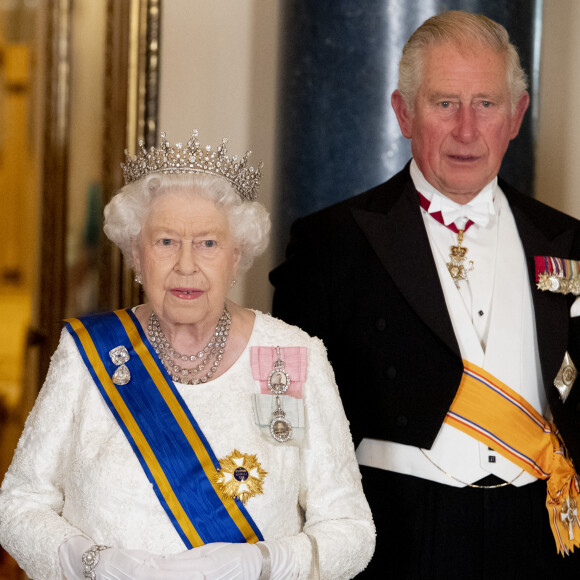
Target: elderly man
(445, 299)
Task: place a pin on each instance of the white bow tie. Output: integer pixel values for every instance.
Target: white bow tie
(477, 210)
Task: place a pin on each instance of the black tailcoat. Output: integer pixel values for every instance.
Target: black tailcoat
(361, 276)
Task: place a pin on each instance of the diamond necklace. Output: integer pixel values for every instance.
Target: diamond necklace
(167, 353)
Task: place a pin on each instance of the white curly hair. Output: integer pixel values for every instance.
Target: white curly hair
(127, 211)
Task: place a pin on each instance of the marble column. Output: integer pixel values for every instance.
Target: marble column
(337, 133)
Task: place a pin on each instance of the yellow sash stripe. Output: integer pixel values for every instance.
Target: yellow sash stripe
(489, 411)
(486, 407)
(136, 433)
(186, 426)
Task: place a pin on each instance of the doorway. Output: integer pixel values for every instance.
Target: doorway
(76, 89)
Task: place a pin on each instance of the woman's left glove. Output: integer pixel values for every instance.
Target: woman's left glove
(270, 560)
(224, 561)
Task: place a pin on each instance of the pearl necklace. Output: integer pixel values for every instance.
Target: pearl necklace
(216, 346)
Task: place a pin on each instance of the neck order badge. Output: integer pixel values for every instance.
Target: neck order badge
(457, 267)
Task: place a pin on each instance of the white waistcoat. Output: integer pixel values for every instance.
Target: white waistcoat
(493, 320)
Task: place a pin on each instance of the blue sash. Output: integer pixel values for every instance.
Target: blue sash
(173, 451)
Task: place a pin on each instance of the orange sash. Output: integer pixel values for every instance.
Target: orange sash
(489, 411)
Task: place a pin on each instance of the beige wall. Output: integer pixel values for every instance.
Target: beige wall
(86, 115)
(219, 71)
(558, 146)
(218, 75)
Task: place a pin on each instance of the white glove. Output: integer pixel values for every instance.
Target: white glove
(118, 564)
(282, 561)
(215, 561)
(222, 560)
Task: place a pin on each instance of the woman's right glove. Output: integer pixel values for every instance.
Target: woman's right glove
(118, 564)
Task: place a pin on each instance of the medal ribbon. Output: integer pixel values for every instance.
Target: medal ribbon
(489, 411)
(172, 450)
(557, 275)
(560, 267)
(262, 359)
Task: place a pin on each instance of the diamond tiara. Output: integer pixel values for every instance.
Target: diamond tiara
(194, 159)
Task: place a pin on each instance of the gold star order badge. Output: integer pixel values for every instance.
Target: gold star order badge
(240, 476)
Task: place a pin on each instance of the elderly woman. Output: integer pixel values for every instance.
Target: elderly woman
(187, 437)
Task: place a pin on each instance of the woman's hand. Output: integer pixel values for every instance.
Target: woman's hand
(215, 561)
(118, 564)
(224, 561)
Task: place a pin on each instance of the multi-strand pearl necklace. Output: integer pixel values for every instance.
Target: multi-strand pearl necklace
(168, 355)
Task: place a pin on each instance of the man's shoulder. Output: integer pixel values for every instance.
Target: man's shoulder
(377, 199)
(540, 213)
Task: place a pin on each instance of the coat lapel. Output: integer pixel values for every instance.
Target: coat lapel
(400, 241)
(397, 234)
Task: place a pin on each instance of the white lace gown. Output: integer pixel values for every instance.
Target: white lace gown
(75, 472)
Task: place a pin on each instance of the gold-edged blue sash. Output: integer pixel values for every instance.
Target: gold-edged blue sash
(170, 446)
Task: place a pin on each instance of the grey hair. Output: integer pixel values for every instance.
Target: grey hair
(127, 211)
(466, 31)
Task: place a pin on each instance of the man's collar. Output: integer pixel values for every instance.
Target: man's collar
(478, 209)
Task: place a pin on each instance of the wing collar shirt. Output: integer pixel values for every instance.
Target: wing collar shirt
(493, 320)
